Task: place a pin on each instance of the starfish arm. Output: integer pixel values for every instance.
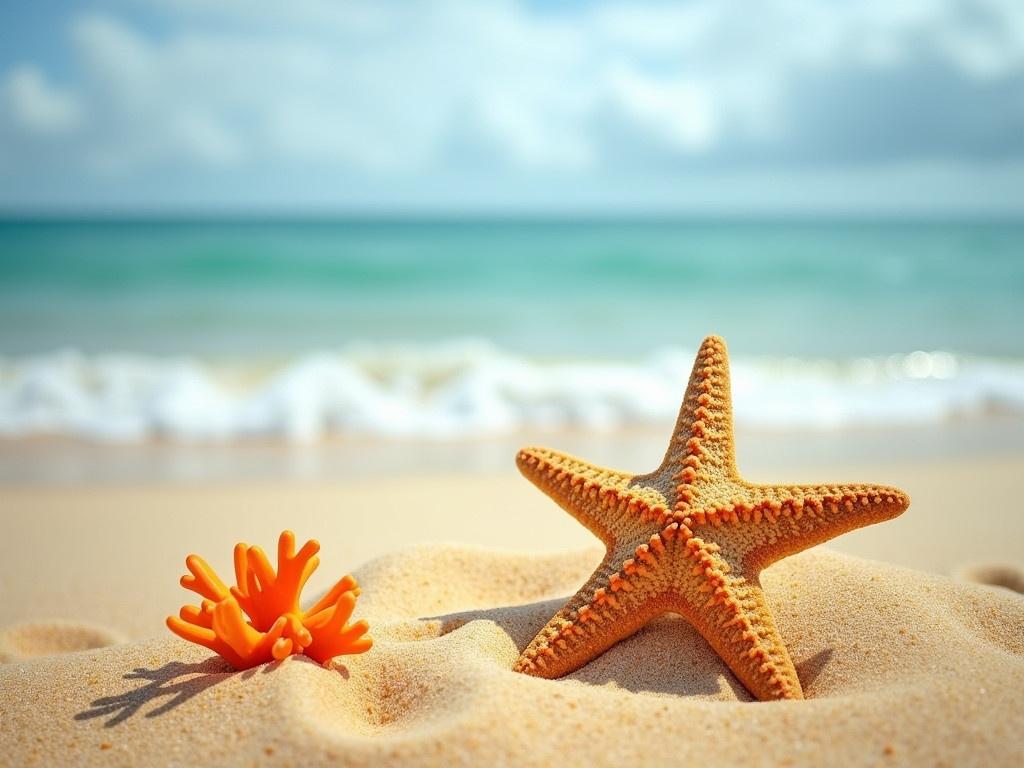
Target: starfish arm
(589, 493)
(731, 613)
(786, 519)
(705, 416)
(610, 607)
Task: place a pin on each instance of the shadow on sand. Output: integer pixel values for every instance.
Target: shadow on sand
(668, 656)
(809, 669)
(175, 681)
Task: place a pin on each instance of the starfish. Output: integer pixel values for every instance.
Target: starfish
(691, 538)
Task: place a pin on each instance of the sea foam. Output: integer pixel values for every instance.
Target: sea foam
(472, 389)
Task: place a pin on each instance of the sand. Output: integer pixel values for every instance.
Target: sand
(900, 666)
(111, 556)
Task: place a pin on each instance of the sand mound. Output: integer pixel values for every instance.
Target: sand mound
(994, 575)
(45, 638)
(898, 667)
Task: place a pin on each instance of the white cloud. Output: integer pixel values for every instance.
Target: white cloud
(36, 106)
(682, 112)
(387, 91)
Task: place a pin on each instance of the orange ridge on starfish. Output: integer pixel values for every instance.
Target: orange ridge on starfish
(277, 627)
(691, 538)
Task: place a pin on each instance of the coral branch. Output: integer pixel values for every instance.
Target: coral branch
(204, 580)
(276, 626)
(263, 594)
(345, 584)
(332, 636)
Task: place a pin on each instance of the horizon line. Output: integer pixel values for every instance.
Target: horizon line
(591, 216)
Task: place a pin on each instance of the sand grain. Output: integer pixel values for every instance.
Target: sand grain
(899, 668)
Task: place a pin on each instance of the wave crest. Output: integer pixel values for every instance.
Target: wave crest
(473, 389)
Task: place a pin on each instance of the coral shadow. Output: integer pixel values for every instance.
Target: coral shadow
(162, 682)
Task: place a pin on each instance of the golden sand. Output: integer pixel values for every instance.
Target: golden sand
(111, 556)
(899, 668)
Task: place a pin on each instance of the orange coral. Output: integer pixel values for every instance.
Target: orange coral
(277, 626)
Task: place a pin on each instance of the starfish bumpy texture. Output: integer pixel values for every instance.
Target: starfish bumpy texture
(691, 538)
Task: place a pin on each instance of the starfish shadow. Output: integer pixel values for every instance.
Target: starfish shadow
(520, 622)
(994, 575)
(676, 659)
(176, 680)
(809, 669)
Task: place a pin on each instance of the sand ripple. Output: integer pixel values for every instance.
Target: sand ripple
(899, 667)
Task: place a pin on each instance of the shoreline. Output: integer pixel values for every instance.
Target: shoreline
(68, 462)
(117, 552)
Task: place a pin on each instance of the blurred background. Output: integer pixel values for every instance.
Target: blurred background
(336, 239)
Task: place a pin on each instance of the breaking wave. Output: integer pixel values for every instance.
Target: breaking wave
(472, 389)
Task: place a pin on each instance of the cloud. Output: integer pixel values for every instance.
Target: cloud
(680, 112)
(36, 107)
(504, 94)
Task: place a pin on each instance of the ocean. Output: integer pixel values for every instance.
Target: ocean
(220, 329)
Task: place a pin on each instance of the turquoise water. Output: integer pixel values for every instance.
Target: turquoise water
(223, 330)
(586, 289)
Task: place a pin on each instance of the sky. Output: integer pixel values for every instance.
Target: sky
(779, 106)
